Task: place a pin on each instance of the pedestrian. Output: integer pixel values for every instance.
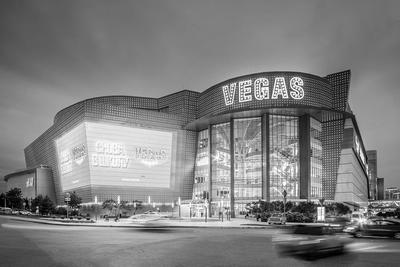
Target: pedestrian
(247, 215)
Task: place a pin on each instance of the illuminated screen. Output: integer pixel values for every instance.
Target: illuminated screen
(111, 155)
(72, 153)
(126, 156)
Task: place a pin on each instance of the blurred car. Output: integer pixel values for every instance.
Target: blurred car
(357, 217)
(5, 210)
(377, 227)
(338, 224)
(277, 219)
(25, 212)
(147, 217)
(21, 212)
(310, 241)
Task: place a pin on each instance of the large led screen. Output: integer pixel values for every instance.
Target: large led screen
(126, 156)
(73, 158)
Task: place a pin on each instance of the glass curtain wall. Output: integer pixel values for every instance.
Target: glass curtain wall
(202, 166)
(221, 166)
(316, 158)
(247, 161)
(284, 156)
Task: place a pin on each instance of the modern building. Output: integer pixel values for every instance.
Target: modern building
(248, 138)
(380, 186)
(32, 182)
(373, 173)
(392, 193)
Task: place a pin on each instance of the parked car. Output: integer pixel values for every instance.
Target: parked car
(277, 219)
(378, 227)
(310, 241)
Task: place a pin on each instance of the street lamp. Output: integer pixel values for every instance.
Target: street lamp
(222, 206)
(179, 204)
(67, 200)
(284, 202)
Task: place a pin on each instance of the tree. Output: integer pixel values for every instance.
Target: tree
(14, 198)
(46, 206)
(133, 206)
(109, 204)
(306, 208)
(2, 200)
(36, 202)
(342, 209)
(75, 200)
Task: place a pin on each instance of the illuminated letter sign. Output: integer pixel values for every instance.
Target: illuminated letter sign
(296, 84)
(245, 91)
(79, 154)
(229, 93)
(261, 90)
(110, 155)
(279, 88)
(151, 157)
(65, 162)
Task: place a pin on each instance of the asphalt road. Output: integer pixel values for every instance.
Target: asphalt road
(32, 244)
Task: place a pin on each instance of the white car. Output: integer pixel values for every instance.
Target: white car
(147, 217)
(277, 219)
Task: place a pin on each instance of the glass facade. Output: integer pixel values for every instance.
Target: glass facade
(284, 156)
(248, 161)
(246, 183)
(221, 162)
(201, 183)
(316, 158)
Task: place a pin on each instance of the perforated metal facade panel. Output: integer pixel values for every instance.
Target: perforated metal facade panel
(327, 98)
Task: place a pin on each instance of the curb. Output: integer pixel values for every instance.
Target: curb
(144, 226)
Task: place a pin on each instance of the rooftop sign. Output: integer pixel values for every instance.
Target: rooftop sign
(263, 88)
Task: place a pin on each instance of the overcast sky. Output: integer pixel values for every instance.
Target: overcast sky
(56, 53)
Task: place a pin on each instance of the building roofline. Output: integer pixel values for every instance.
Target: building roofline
(24, 171)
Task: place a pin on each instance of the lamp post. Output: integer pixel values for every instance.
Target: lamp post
(222, 207)
(67, 200)
(205, 209)
(95, 206)
(179, 204)
(284, 202)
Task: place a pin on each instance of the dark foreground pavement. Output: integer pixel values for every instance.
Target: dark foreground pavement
(31, 244)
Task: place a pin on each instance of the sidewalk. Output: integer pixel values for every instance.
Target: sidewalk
(163, 223)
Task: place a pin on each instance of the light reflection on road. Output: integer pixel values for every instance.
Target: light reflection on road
(45, 227)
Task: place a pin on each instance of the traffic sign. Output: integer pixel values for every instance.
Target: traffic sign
(67, 199)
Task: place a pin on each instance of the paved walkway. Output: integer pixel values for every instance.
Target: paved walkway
(183, 222)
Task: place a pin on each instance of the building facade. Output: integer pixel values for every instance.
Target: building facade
(380, 185)
(373, 174)
(32, 182)
(392, 193)
(248, 138)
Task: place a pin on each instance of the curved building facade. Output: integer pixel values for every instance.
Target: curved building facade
(248, 138)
